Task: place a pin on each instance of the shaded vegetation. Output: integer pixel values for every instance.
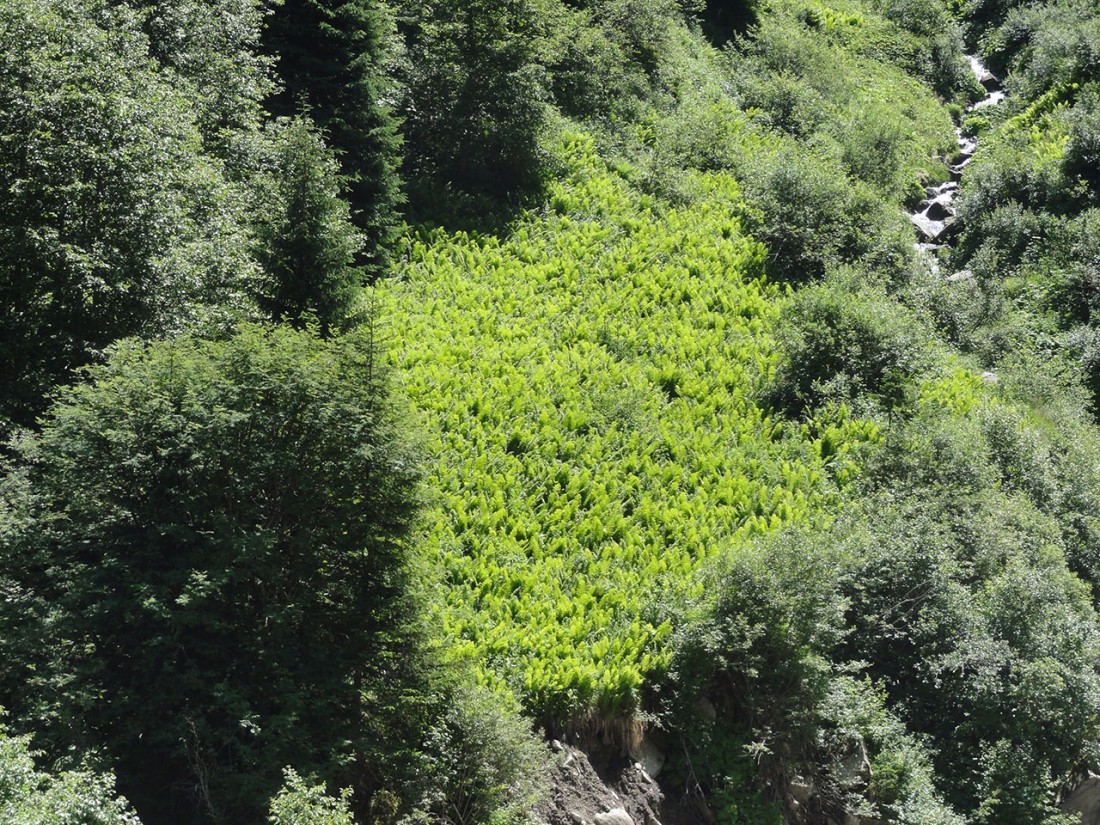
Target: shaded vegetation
(240, 515)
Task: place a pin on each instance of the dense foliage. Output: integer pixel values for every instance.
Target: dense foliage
(474, 108)
(114, 222)
(710, 453)
(200, 526)
(590, 388)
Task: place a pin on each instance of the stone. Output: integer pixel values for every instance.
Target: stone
(961, 275)
(853, 770)
(1084, 799)
(930, 230)
(990, 377)
(984, 76)
(800, 790)
(648, 757)
(958, 168)
(616, 816)
(990, 81)
(939, 211)
(602, 794)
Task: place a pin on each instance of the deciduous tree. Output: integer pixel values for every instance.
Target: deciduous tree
(207, 546)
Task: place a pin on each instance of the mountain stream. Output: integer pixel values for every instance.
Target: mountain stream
(935, 215)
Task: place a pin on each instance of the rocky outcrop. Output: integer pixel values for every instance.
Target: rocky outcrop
(621, 792)
(1083, 799)
(648, 757)
(837, 793)
(934, 217)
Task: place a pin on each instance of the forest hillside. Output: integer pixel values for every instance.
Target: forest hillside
(462, 411)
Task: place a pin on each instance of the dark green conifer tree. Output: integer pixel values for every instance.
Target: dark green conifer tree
(307, 243)
(330, 56)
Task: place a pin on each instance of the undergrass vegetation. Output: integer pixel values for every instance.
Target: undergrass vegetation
(589, 385)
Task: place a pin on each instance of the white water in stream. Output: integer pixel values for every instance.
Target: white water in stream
(935, 215)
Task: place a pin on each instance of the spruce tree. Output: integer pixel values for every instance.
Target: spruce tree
(330, 56)
(307, 241)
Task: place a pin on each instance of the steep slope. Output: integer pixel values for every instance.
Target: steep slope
(589, 384)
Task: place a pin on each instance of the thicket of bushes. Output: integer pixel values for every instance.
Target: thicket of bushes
(1028, 205)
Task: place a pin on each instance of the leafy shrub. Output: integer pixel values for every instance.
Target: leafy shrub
(71, 797)
(783, 45)
(873, 144)
(616, 60)
(964, 606)
(759, 648)
(489, 767)
(709, 133)
(590, 75)
(641, 28)
(998, 240)
(1047, 45)
(786, 102)
(902, 783)
(298, 803)
(806, 209)
(1082, 158)
(1008, 172)
(844, 344)
(1073, 285)
(209, 47)
(723, 19)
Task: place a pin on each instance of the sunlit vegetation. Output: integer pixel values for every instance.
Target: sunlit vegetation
(589, 384)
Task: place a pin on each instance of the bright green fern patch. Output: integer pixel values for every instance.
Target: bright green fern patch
(589, 387)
